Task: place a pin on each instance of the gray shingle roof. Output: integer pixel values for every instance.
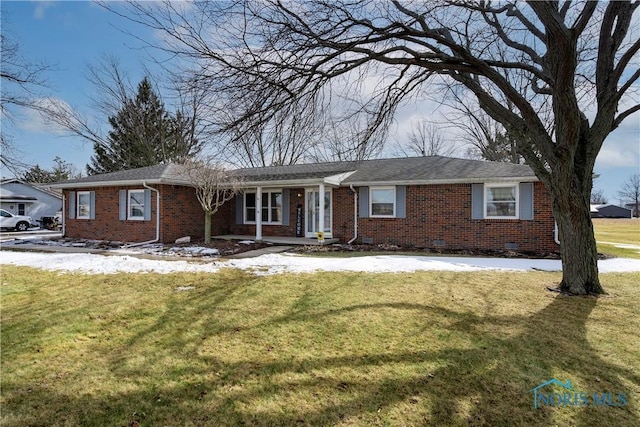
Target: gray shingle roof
(434, 169)
(164, 173)
(292, 172)
(395, 170)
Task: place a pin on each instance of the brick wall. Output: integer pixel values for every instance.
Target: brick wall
(181, 215)
(107, 225)
(437, 217)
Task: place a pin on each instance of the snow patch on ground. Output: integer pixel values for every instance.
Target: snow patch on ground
(290, 263)
(624, 246)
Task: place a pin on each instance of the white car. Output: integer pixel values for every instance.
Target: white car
(15, 222)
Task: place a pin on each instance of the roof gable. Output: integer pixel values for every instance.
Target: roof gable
(12, 188)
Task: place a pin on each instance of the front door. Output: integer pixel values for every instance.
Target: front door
(312, 212)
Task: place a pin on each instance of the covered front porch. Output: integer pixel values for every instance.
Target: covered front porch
(279, 240)
(289, 211)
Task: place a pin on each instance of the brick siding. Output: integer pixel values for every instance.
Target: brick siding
(181, 215)
(437, 217)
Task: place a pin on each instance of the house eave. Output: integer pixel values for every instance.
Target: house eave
(444, 181)
(291, 183)
(18, 199)
(331, 181)
(121, 183)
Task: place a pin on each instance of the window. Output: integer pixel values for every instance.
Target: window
(271, 204)
(84, 205)
(501, 201)
(383, 201)
(22, 210)
(135, 205)
(275, 208)
(250, 207)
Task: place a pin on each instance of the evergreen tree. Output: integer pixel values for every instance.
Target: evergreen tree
(143, 134)
(61, 171)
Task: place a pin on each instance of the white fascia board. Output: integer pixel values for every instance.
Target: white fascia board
(284, 183)
(445, 181)
(336, 180)
(17, 200)
(127, 183)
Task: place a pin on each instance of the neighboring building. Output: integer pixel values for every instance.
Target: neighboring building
(425, 202)
(34, 200)
(609, 211)
(632, 207)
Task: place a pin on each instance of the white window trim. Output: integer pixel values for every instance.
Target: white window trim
(517, 200)
(78, 194)
(268, 192)
(129, 216)
(395, 208)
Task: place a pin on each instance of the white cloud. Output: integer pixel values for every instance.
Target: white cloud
(615, 157)
(35, 121)
(41, 8)
(622, 148)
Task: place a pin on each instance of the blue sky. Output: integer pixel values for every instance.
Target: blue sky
(71, 35)
(68, 36)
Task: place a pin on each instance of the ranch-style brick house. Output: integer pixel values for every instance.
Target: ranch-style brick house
(425, 202)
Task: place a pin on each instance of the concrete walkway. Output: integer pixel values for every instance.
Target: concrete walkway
(279, 240)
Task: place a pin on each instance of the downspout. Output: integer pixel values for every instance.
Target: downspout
(132, 245)
(556, 233)
(355, 215)
(64, 217)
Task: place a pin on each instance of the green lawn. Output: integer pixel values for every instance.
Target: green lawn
(624, 231)
(433, 348)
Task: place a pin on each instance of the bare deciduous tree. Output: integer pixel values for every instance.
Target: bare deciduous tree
(173, 137)
(20, 89)
(570, 55)
(486, 138)
(347, 139)
(598, 197)
(214, 185)
(425, 139)
(630, 193)
(286, 139)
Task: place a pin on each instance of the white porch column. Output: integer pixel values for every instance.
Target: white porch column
(258, 214)
(321, 207)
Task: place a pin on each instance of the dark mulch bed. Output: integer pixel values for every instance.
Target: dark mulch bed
(231, 247)
(224, 247)
(426, 251)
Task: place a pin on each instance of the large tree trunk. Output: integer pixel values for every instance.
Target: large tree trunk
(577, 242)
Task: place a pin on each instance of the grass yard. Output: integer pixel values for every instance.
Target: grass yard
(432, 348)
(624, 231)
